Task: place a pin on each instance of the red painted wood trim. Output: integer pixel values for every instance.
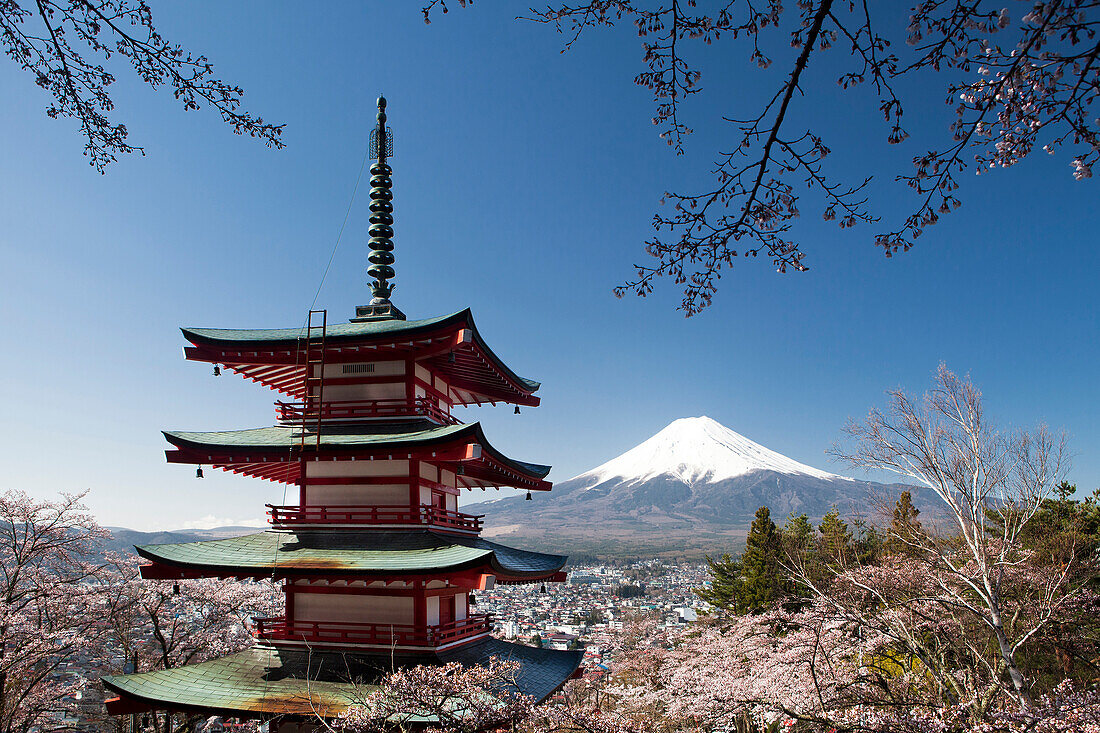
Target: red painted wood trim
(303, 494)
(225, 456)
(341, 590)
(126, 705)
(368, 379)
(355, 480)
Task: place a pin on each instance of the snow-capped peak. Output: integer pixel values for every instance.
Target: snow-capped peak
(698, 449)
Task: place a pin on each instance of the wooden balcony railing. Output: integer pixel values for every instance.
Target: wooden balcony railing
(292, 412)
(334, 632)
(400, 514)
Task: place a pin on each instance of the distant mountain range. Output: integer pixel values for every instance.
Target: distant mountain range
(123, 540)
(691, 488)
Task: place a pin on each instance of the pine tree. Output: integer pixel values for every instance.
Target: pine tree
(905, 527)
(797, 536)
(835, 540)
(760, 564)
(1064, 491)
(905, 514)
(868, 545)
(797, 547)
(725, 583)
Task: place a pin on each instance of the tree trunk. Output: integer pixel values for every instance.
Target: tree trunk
(1019, 683)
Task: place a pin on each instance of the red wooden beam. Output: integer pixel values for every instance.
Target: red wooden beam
(126, 706)
(158, 571)
(355, 590)
(460, 339)
(488, 389)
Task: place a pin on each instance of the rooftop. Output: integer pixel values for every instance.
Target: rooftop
(264, 681)
(269, 449)
(352, 553)
(451, 344)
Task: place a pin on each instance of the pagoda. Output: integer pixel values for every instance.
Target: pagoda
(377, 563)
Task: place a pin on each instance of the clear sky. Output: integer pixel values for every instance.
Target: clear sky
(525, 180)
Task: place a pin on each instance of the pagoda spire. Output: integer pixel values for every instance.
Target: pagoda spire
(381, 226)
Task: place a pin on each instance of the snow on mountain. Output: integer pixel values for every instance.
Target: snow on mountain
(697, 450)
(693, 480)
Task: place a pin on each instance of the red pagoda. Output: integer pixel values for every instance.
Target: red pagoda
(377, 563)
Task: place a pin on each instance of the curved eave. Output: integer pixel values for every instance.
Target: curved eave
(258, 353)
(264, 339)
(262, 682)
(281, 438)
(259, 682)
(280, 444)
(524, 566)
(531, 470)
(315, 552)
(521, 384)
(349, 554)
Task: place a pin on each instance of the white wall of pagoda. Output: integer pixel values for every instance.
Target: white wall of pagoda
(353, 609)
(382, 493)
(340, 383)
(359, 603)
(460, 606)
(433, 610)
(365, 494)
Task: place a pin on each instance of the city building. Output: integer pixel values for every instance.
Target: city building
(378, 564)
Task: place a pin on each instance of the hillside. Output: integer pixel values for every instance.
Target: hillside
(690, 489)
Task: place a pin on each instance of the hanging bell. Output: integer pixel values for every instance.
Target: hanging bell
(451, 357)
(528, 497)
(198, 472)
(542, 588)
(217, 371)
(517, 410)
(460, 470)
(175, 589)
(472, 600)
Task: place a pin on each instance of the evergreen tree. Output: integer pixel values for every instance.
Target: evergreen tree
(797, 546)
(905, 514)
(760, 564)
(1065, 529)
(835, 539)
(904, 527)
(797, 537)
(868, 543)
(725, 583)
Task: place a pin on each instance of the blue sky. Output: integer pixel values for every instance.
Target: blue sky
(525, 180)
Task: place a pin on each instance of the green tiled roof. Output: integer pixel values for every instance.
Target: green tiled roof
(282, 437)
(352, 553)
(349, 332)
(257, 681)
(541, 671)
(406, 434)
(333, 330)
(264, 681)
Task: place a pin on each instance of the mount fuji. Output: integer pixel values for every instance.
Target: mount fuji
(694, 479)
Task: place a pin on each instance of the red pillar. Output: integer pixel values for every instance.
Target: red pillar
(420, 608)
(289, 592)
(302, 481)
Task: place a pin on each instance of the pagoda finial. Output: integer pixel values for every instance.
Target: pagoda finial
(381, 226)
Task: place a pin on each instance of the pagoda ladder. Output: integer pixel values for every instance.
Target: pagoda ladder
(315, 376)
